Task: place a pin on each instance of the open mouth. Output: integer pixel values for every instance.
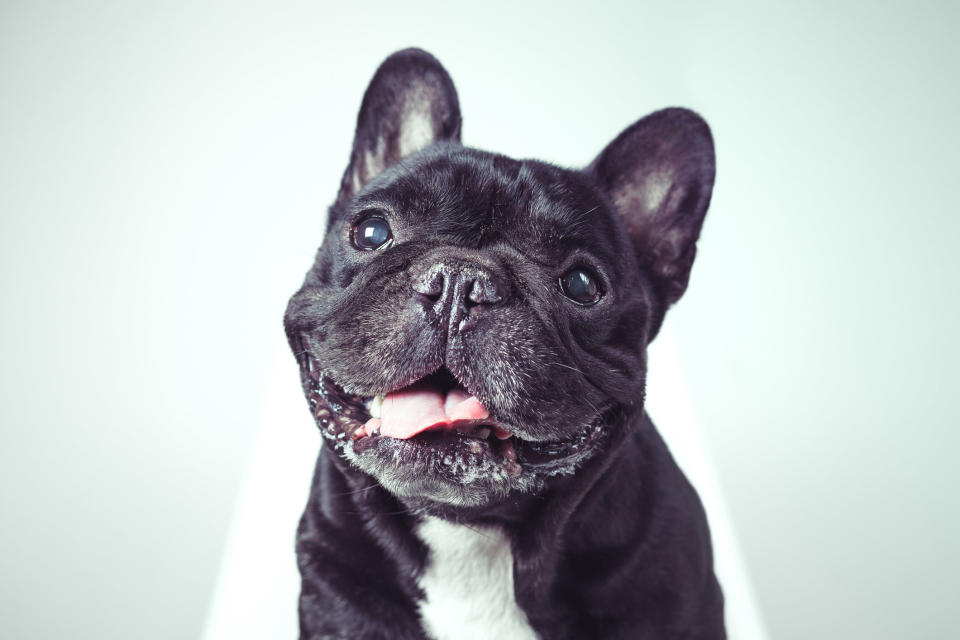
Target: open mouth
(435, 413)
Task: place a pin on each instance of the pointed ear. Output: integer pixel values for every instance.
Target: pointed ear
(659, 175)
(410, 104)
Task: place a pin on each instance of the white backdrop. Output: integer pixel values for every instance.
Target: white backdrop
(163, 172)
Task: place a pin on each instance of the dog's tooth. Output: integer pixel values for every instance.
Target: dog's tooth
(375, 406)
(372, 427)
(483, 433)
(510, 463)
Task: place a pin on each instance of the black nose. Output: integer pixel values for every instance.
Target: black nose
(459, 286)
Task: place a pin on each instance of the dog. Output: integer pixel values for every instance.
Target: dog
(472, 342)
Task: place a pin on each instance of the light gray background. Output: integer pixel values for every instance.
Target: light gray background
(163, 173)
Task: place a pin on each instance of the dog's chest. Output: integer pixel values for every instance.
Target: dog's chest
(468, 584)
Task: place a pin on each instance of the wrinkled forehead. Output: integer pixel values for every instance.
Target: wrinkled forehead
(478, 198)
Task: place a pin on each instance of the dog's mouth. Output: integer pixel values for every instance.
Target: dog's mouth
(436, 420)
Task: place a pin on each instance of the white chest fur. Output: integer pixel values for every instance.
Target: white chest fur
(469, 584)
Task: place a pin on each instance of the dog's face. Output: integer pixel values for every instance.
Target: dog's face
(474, 325)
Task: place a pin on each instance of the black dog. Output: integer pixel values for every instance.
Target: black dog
(472, 342)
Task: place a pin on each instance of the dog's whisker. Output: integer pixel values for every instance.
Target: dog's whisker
(566, 366)
(360, 490)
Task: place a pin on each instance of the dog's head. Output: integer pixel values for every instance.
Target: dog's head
(474, 325)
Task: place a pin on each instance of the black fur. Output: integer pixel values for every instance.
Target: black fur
(609, 539)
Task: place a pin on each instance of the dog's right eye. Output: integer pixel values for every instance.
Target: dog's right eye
(371, 233)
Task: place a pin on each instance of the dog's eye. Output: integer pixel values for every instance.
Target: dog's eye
(580, 285)
(371, 233)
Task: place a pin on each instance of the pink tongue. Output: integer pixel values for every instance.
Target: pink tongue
(407, 412)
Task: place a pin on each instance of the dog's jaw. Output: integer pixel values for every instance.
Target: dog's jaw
(473, 463)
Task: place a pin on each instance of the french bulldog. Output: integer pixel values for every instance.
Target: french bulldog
(472, 342)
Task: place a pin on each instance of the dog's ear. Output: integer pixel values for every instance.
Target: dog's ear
(659, 174)
(410, 104)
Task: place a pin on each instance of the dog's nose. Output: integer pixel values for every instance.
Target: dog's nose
(459, 286)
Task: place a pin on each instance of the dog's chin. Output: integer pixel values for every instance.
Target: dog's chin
(473, 464)
(450, 469)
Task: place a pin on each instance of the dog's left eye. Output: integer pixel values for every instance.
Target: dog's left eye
(581, 286)
(371, 233)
